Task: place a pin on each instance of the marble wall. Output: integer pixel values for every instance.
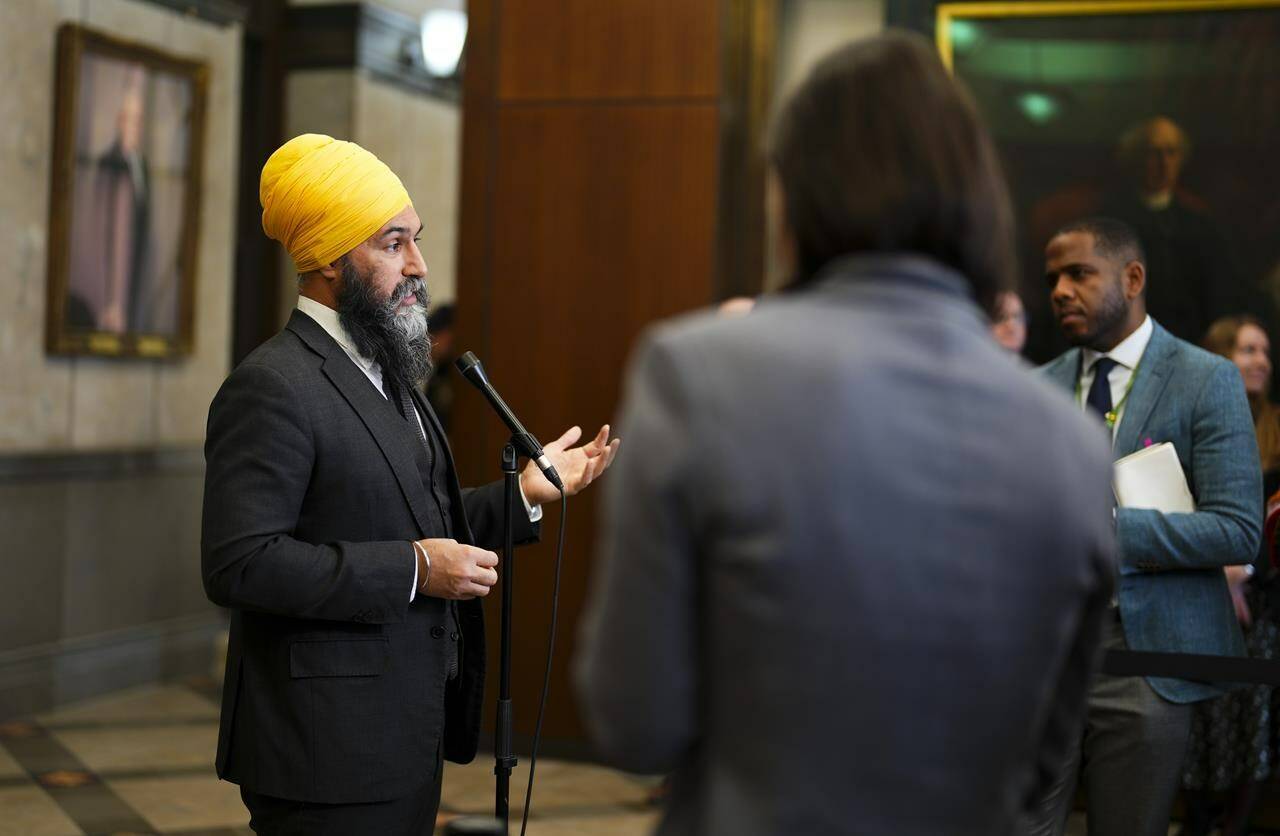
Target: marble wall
(417, 135)
(99, 571)
(53, 403)
(807, 31)
(413, 8)
(99, 568)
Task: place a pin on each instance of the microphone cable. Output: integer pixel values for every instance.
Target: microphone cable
(551, 650)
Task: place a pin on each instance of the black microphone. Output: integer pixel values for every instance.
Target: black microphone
(526, 444)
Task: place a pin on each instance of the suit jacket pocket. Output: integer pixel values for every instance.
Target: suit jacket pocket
(339, 657)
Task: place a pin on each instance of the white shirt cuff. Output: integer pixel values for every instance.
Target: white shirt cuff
(534, 511)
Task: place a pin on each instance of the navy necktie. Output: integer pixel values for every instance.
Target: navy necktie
(1100, 392)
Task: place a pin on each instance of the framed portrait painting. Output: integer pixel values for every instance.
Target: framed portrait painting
(1162, 113)
(125, 198)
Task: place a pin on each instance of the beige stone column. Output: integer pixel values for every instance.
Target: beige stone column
(414, 131)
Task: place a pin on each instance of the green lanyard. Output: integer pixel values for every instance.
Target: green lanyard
(1114, 415)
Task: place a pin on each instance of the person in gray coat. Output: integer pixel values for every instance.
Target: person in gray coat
(854, 564)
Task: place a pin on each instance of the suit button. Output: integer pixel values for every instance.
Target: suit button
(437, 632)
(453, 636)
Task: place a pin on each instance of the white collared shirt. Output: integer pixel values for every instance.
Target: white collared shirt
(1127, 356)
(327, 318)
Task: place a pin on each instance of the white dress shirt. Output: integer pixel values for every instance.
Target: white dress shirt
(1127, 356)
(327, 318)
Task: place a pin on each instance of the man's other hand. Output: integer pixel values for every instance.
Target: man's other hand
(458, 571)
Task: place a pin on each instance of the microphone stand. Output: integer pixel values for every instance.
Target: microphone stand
(521, 443)
(504, 758)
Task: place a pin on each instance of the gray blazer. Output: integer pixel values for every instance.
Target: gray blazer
(1173, 595)
(854, 564)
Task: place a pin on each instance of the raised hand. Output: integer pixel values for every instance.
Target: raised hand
(577, 466)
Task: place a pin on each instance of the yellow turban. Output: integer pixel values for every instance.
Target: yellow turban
(322, 197)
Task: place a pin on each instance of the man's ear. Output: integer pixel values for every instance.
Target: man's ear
(331, 272)
(1135, 279)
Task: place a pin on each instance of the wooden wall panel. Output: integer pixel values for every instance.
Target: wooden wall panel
(607, 218)
(593, 191)
(575, 49)
(608, 221)
(604, 221)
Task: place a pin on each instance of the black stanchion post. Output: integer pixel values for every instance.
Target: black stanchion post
(504, 759)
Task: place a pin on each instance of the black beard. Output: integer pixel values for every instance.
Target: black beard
(398, 342)
(1110, 318)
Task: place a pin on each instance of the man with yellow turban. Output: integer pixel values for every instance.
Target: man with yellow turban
(335, 529)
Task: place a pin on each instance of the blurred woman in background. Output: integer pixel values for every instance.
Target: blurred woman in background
(1233, 743)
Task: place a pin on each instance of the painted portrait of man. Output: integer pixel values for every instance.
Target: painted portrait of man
(123, 227)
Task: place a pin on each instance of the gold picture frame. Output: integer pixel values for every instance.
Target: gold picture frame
(1150, 111)
(124, 208)
(945, 13)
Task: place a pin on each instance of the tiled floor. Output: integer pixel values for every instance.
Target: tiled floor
(140, 762)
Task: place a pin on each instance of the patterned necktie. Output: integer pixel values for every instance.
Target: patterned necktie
(1100, 392)
(399, 395)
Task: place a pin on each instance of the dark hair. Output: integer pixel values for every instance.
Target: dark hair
(881, 150)
(1112, 238)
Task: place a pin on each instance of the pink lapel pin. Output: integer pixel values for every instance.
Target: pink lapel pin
(1146, 442)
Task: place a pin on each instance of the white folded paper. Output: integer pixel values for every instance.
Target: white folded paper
(1153, 478)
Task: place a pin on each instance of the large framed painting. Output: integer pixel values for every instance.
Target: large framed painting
(1163, 114)
(125, 198)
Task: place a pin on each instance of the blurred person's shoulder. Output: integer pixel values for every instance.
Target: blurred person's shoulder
(1056, 411)
(701, 327)
(711, 342)
(712, 347)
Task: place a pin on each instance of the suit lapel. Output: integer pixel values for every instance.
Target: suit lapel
(1065, 371)
(1149, 382)
(382, 421)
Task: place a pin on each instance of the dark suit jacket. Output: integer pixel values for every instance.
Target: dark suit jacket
(854, 564)
(335, 684)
